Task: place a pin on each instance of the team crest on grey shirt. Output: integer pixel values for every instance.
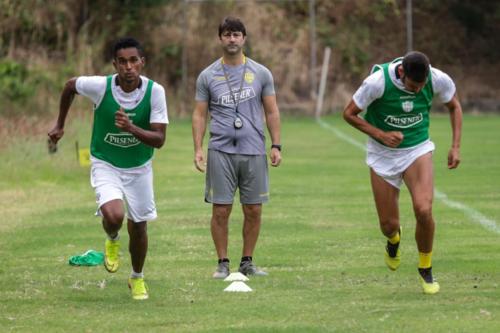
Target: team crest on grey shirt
(249, 77)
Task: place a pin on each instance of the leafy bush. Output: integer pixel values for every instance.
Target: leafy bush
(15, 81)
(24, 90)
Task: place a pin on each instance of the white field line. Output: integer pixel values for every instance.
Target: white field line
(473, 214)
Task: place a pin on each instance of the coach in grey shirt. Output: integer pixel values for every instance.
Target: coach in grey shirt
(234, 90)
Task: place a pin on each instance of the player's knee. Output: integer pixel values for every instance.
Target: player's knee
(113, 218)
(423, 213)
(389, 226)
(138, 229)
(252, 211)
(220, 213)
(220, 219)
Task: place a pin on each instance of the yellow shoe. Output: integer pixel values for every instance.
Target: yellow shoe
(138, 288)
(429, 285)
(430, 288)
(393, 254)
(111, 255)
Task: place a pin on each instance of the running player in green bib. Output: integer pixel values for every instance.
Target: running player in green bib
(397, 97)
(130, 120)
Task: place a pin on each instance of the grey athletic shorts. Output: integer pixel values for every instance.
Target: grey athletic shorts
(227, 172)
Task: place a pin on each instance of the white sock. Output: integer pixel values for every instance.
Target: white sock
(135, 275)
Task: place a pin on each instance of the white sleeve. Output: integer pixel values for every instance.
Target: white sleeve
(443, 86)
(159, 113)
(371, 89)
(93, 87)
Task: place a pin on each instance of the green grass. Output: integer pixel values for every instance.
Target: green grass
(319, 241)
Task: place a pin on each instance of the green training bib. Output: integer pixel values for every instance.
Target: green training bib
(109, 143)
(398, 110)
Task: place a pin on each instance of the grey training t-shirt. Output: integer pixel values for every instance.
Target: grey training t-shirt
(212, 87)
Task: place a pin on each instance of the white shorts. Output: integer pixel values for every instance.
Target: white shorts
(135, 184)
(390, 163)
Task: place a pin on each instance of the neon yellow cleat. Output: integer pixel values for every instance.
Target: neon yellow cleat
(138, 288)
(429, 285)
(111, 255)
(393, 262)
(393, 254)
(430, 288)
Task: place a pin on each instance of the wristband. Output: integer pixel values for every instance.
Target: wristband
(276, 146)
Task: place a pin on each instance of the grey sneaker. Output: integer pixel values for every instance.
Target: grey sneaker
(222, 270)
(249, 268)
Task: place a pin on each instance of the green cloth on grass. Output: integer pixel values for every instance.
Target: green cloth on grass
(89, 258)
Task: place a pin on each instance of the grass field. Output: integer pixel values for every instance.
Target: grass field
(320, 242)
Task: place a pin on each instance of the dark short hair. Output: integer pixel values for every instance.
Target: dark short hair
(125, 43)
(232, 24)
(416, 66)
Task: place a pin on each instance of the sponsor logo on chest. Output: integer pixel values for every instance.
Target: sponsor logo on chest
(122, 140)
(404, 121)
(245, 94)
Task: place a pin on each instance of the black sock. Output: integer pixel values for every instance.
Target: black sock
(392, 249)
(426, 274)
(243, 259)
(223, 260)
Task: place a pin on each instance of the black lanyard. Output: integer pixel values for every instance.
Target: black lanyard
(229, 86)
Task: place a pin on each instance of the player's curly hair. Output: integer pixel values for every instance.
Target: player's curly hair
(125, 43)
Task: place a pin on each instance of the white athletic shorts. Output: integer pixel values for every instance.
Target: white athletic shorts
(135, 184)
(390, 163)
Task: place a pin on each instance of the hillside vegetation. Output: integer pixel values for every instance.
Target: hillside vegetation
(43, 43)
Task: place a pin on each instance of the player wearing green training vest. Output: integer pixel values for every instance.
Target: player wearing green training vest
(397, 97)
(109, 143)
(402, 110)
(130, 120)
